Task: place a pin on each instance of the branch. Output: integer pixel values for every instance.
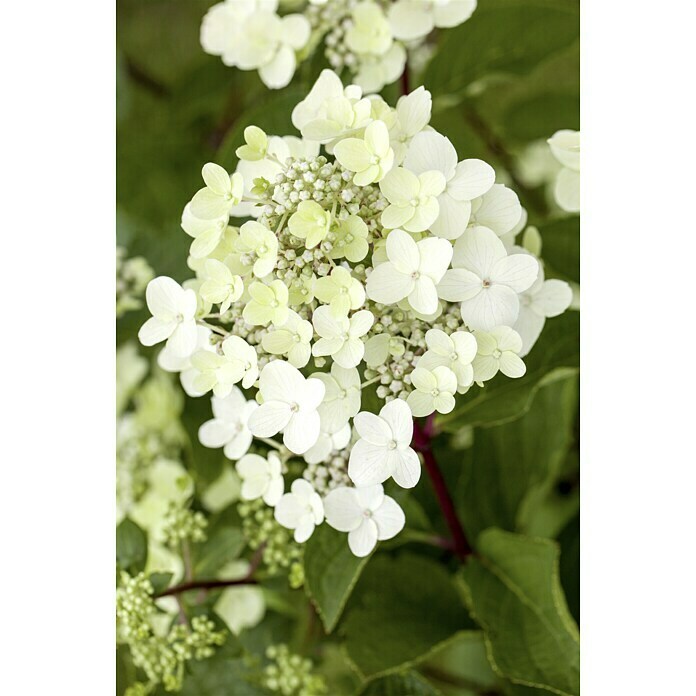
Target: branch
(422, 442)
(205, 585)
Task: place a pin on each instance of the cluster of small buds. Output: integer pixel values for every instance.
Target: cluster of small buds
(183, 524)
(161, 657)
(290, 674)
(197, 642)
(132, 277)
(326, 476)
(261, 529)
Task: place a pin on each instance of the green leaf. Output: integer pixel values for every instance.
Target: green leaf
(407, 684)
(561, 246)
(502, 36)
(513, 465)
(513, 592)
(131, 547)
(462, 664)
(222, 677)
(331, 571)
(502, 399)
(402, 610)
(160, 581)
(224, 544)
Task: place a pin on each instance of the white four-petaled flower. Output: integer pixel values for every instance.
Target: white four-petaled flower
(412, 272)
(366, 514)
(384, 447)
(412, 199)
(369, 157)
(455, 351)
(342, 398)
(290, 403)
(221, 193)
(301, 509)
(261, 477)
(486, 280)
(173, 318)
(498, 350)
(341, 337)
(229, 426)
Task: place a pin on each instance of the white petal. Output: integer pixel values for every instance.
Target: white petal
(400, 419)
(216, 433)
(473, 178)
(458, 285)
(304, 529)
(387, 285)
(280, 381)
(477, 250)
(553, 299)
(408, 468)
(164, 297)
(423, 297)
(302, 431)
(183, 340)
(288, 511)
(274, 491)
(269, 418)
(495, 306)
(351, 353)
(389, 518)
(512, 365)
(529, 326)
(499, 209)
(311, 394)
(155, 330)
(435, 257)
(369, 464)
(342, 510)
(238, 446)
(400, 186)
(518, 271)
(431, 150)
(402, 251)
(372, 428)
(567, 190)
(363, 539)
(421, 403)
(410, 20)
(453, 217)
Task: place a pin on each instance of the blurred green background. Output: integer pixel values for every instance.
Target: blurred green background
(501, 82)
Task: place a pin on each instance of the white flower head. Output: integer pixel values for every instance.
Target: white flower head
(301, 509)
(341, 337)
(293, 338)
(370, 32)
(342, 397)
(229, 426)
(221, 193)
(290, 403)
(173, 318)
(434, 390)
(384, 447)
(498, 350)
(366, 514)
(413, 203)
(466, 180)
(374, 72)
(259, 245)
(370, 157)
(261, 477)
(413, 271)
(414, 19)
(455, 352)
(486, 280)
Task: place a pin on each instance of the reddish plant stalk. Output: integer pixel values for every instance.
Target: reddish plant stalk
(204, 585)
(422, 442)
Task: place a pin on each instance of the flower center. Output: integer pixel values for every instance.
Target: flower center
(435, 392)
(486, 283)
(262, 249)
(497, 353)
(294, 407)
(415, 275)
(391, 445)
(367, 514)
(274, 303)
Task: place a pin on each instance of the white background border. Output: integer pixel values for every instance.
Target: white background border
(57, 127)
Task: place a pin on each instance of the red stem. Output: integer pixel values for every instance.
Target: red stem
(405, 81)
(422, 442)
(204, 585)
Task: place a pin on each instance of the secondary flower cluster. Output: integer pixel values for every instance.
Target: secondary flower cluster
(376, 267)
(368, 37)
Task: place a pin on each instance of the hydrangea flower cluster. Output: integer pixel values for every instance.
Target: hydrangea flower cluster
(375, 267)
(369, 38)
